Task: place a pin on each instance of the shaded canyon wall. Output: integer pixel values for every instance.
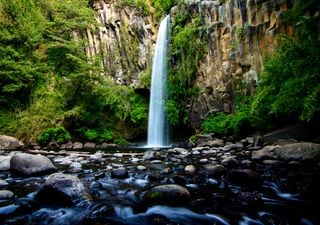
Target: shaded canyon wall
(241, 34)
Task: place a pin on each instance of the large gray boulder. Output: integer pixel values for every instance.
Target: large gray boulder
(305, 151)
(10, 143)
(29, 165)
(171, 194)
(63, 190)
(5, 163)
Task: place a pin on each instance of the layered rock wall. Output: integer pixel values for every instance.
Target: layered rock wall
(241, 34)
(124, 39)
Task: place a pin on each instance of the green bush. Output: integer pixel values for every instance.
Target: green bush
(289, 87)
(222, 124)
(139, 5)
(58, 134)
(91, 135)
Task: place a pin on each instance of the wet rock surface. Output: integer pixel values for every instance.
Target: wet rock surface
(217, 185)
(28, 164)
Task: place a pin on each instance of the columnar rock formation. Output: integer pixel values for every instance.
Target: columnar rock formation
(241, 34)
(124, 39)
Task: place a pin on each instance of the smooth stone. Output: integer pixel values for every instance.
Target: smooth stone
(203, 160)
(63, 190)
(156, 161)
(181, 151)
(265, 153)
(3, 183)
(89, 145)
(120, 173)
(171, 194)
(5, 163)
(214, 170)
(96, 157)
(29, 165)
(77, 145)
(11, 143)
(190, 169)
(151, 155)
(230, 162)
(243, 177)
(305, 151)
(5, 194)
(75, 165)
(141, 168)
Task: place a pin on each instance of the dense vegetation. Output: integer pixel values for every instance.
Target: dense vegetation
(49, 88)
(51, 91)
(289, 87)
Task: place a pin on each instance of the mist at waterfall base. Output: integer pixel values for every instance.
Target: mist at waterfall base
(157, 122)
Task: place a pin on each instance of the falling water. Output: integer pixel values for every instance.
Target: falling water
(157, 125)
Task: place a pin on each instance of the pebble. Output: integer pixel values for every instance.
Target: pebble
(141, 168)
(3, 183)
(5, 194)
(204, 160)
(156, 161)
(190, 169)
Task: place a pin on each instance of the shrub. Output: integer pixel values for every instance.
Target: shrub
(91, 134)
(58, 134)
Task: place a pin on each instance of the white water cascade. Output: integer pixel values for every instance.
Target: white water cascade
(157, 122)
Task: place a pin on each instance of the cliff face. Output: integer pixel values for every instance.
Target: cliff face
(124, 40)
(241, 34)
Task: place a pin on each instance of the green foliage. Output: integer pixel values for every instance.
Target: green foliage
(46, 79)
(163, 6)
(102, 136)
(139, 5)
(189, 45)
(58, 134)
(221, 124)
(289, 86)
(121, 141)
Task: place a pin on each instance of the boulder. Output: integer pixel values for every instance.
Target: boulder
(151, 155)
(230, 162)
(77, 145)
(5, 194)
(120, 172)
(214, 170)
(63, 190)
(89, 145)
(190, 169)
(243, 177)
(29, 165)
(263, 154)
(5, 163)
(171, 194)
(11, 143)
(305, 151)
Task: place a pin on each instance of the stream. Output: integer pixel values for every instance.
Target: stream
(270, 193)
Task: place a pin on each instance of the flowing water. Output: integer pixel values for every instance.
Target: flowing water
(281, 195)
(157, 125)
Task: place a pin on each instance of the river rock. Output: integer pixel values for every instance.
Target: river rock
(5, 163)
(214, 170)
(120, 173)
(7, 142)
(151, 155)
(89, 145)
(5, 194)
(77, 145)
(244, 177)
(305, 151)
(190, 169)
(63, 190)
(169, 194)
(29, 165)
(215, 143)
(263, 154)
(230, 162)
(3, 183)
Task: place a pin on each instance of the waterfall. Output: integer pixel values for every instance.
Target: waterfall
(157, 122)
